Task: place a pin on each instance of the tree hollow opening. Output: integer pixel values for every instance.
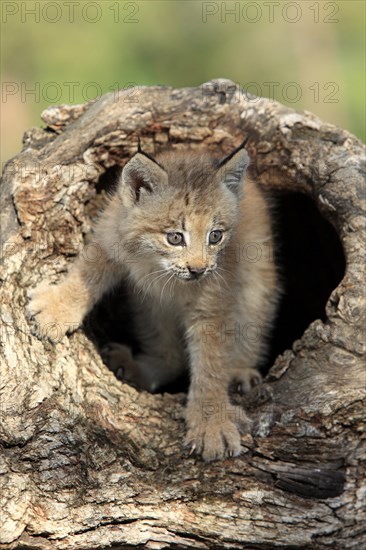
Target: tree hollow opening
(311, 263)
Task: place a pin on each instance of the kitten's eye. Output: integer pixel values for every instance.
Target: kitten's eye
(175, 238)
(215, 237)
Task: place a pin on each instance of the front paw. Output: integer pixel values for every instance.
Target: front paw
(247, 379)
(54, 314)
(136, 372)
(214, 429)
(119, 359)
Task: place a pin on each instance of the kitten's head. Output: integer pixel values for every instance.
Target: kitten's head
(181, 209)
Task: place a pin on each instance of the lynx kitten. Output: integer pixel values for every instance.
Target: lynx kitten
(184, 224)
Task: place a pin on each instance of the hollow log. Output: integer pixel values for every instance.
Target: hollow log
(88, 462)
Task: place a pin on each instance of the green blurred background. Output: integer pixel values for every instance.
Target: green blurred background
(306, 54)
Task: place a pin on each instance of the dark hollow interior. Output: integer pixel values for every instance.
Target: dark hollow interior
(311, 263)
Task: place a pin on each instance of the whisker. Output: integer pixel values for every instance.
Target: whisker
(148, 275)
(215, 279)
(157, 278)
(221, 277)
(172, 287)
(162, 290)
(152, 273)
(220, 268)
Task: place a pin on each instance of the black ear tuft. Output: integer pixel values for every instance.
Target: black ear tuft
(139, 150)
(230, 155)
(232, 168)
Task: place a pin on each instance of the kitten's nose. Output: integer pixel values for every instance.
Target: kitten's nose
(196, 271)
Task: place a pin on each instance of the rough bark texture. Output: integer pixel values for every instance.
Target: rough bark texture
(89, 462)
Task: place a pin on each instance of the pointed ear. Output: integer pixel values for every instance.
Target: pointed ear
(232, 169)
(142, 174)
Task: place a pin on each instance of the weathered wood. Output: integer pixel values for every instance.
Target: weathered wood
(88, 461)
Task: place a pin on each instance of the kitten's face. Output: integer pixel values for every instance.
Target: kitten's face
(185, 240)
(180, 222)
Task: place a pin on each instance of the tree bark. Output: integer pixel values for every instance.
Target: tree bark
(87, 461)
